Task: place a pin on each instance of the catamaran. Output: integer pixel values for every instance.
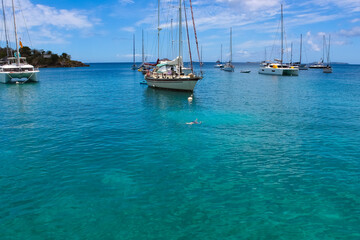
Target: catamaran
(228, 66)
(279, 68)
(16, 69)
(171, 74)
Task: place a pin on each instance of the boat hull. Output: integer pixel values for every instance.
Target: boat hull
(11, 77)
(327, 70)
(173, 83)
(228, 69)
(279, 71)
(317, 66)
(219, 66)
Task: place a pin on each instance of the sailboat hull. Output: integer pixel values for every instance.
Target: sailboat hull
(327, 70)
(228, 69)
(279, 71)
(10, 77)
(174, 83)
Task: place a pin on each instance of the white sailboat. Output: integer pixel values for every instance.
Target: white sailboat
(328, 68)
(16, 68)
(219, 63)
(279, 68)
(228, 66)
(320, 64)
(171, 74)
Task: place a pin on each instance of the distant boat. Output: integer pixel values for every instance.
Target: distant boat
(328, 68)
(245, 71)
(300, 65)
(228, 66)
(219, 62)
(279, 68)
(16, 69)
(320, 64)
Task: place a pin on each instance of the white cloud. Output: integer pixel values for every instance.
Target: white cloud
(309, 41)
(48, 24)
(355, 20)
(354, 32)
(252, 5)
(128, 29)
(125, 2)
(47, 15)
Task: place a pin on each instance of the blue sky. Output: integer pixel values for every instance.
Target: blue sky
(101, 31)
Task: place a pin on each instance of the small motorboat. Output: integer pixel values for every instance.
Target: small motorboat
(245, 71)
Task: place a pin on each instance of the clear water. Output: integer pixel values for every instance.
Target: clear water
(89, 153)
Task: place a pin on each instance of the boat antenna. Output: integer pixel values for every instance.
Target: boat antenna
(180, 36)
(16, 36)
(282, 35)
(6, 35)
(188, 38)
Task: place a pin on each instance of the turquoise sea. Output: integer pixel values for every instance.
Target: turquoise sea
(89, 153)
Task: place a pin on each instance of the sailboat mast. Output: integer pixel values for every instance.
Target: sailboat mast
(6, 35)
(142, 50)
(323, 48)
(265, 54)
(172, 40)
(16, 36)
(282, 35)
(291, 52)
(300, 46)
(221, 54)
(180, 37)
(230, 44)
(158, 29)
(134, 49)
(328, 57)
(201, 56)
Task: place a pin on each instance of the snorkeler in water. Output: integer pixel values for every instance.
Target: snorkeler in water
(194, 122)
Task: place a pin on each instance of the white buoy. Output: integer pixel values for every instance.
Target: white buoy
(190, 98)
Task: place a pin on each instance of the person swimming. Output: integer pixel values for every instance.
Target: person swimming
(193, 122)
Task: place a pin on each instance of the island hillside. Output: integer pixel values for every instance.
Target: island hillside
(44, 59)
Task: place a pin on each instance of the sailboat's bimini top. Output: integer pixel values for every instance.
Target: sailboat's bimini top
(12, 65)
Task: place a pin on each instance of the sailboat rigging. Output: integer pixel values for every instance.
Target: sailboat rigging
(134, 67)
(300, 65)
(328, 68)
(228, 66)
